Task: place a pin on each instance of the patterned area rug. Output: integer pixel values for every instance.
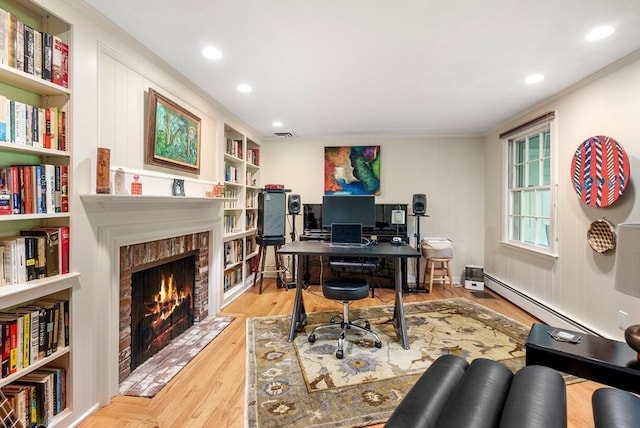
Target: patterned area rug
(152, 375)
(303, 385)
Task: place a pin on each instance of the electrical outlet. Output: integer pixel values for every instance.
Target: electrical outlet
(623, 320)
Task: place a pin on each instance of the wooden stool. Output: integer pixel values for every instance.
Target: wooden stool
(438, 269)
(279, 271)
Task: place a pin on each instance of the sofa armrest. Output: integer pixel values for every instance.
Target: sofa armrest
(614, 407)
(537, 398)
(478, 399)
(423, 404)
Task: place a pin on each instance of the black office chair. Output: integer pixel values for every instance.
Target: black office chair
(346, 290)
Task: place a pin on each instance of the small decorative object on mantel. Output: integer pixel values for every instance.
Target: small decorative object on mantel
(136, 186)
(600, 169)
(119, 182)
(602, 236)
(216, 192)
(178, 187)
(102, 171)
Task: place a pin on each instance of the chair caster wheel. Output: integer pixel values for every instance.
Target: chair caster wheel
(311, 338)
(340, 354)
(378, 344)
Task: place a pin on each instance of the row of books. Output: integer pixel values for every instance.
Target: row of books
(34, 189)
(233, 194)
(38, 396)
(232, 277)
(29, 125)
(251, 221)
(32, 332)
(36, 253)
(253, 156)
(230, 173)
(40, 54)
(230, 223)
(232, 252)
(252, 199)
(234, 148)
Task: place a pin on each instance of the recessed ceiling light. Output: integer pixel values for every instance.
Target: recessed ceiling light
(277, 124)
(599, 33)
(244, 88)
(534, 78)
(212, 53)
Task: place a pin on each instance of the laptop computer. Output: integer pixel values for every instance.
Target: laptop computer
(346, 235)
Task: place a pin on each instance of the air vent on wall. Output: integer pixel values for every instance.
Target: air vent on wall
(284, 134)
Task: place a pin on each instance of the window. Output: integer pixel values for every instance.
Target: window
(529, 193)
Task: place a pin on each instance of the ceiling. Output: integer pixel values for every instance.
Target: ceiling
(366, 67)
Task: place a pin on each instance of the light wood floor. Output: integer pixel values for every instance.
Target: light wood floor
(210, 391)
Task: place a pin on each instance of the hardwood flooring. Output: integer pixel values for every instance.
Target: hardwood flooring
(210, 390)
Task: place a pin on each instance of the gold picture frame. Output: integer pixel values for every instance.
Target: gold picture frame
(173, 135)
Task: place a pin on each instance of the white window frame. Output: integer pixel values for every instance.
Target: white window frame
(508, 171)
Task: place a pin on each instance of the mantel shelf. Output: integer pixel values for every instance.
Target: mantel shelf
(109, 201)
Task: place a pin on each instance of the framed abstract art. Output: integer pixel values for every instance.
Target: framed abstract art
(352, 170)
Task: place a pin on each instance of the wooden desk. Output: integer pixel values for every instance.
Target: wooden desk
(314, 248)
(596, 358)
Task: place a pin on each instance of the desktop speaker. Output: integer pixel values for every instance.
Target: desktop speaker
(419, 204)
(271, 214)
(294, 204)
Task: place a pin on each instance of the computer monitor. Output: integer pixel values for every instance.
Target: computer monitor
(348, 209)
(312, 216)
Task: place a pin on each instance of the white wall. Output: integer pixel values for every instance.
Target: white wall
(109, 74)
(449, 170)
(580, 282)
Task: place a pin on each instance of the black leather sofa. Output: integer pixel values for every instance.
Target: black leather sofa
(453, 393)
(615, 408)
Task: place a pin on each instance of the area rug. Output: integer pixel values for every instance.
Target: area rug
(301, 384)
(152, 375)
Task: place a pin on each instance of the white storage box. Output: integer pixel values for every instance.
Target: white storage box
(474, 277)
(437, 248)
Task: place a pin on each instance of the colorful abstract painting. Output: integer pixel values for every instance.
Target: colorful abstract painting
(352, 170)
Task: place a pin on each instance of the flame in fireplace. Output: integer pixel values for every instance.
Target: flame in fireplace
(167, 299)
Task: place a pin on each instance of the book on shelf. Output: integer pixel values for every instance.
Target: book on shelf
(15, 254)
(19, 399)
(47, 53)
(60, 63)
(53, 248)
(9, 327)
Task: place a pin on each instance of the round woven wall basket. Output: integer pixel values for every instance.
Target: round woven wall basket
(602, 236)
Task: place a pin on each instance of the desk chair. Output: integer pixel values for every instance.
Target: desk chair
(346, 290)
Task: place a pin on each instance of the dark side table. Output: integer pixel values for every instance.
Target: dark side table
(595, 358)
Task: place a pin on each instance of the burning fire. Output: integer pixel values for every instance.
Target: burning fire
(167, 299)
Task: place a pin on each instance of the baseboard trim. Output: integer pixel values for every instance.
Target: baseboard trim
(539, 310)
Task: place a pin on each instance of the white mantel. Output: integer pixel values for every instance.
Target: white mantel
(121, 220)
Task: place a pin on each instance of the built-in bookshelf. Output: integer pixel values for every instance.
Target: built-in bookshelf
(36, 278)
(241, 187)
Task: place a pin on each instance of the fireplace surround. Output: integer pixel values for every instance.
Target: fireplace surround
(122, 221)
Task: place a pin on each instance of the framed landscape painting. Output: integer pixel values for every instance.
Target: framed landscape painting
(173, 135)
(352, 170)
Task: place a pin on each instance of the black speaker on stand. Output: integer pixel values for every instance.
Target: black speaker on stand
(294, 205)
(419, 207)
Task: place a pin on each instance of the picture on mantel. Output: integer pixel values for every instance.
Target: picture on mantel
(352, 170)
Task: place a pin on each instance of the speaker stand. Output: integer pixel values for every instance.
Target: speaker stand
(293, 235)
(274, 242)
(417, 288)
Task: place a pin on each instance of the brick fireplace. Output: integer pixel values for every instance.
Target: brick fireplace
(152, 253)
